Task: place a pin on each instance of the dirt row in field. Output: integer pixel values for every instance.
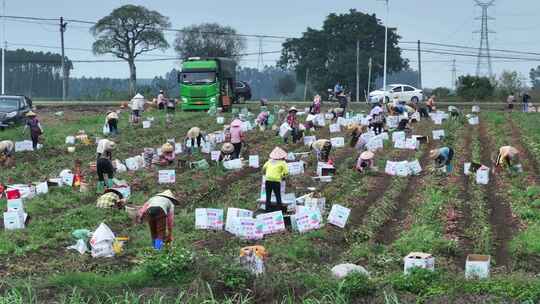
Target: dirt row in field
(390, 230)
(531, 164)
(464, 218)
(500, 213)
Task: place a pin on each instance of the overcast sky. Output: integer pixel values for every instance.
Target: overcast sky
(427, 20)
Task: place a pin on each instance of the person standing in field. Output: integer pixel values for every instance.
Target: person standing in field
(316, 105)
(161, 99)
(35, 128)
(159, 212)
(526, 99)
(194, 136)
(237, 137)
(105, 148)
(510, 100)
(377, 119)
(6, 153)
(112, 121)
(430, 104)
(275, 170)
(292, 120)
(137, 107)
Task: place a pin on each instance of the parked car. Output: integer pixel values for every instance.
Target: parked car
(403, 92)
(13, 109)
(242, 91)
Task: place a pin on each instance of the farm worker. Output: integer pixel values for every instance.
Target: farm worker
(423, 109)
(110, 199)
(159, 211)
(105, 148)
(262, 120)
(309, 123)
(35, 128)
(112, 120)
(336, 112)
(6, 152)
(356, 132)
(343, 101)
(526, 98)
(377, 119)
(365, 161)
(292, 120)
(237, 137)
(338, 89)
(227, 152)
(315, 107)
(322, 148)
(137, 107)
(510, 100)
(403, 124)
(195, 134)
(275, 170)
(167, 154)
(454, 112)
(443, 157)
(508, 155)
(431, 103)
(161, 99)
(105, 173)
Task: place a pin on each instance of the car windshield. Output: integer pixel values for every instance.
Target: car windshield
(198, 77)
(8, 104)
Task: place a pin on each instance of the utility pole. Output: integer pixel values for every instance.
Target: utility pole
(419, 67)
(306, 84)
(386, 43)
(357, 70)
(260, 60)
(454, 74)
(370, 64)
(484, 54)
(4, 48)
(64, 74)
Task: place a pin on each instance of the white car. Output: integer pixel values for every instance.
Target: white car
(403, 92)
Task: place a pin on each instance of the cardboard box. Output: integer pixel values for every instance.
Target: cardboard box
(232, 214)
(14, 220)
(146, 124)
(296, 168)
(337, 142)
(418, 260)
(207, 218)
(477, 266)
(254, 161)
(15, 205)
(166, 176)
(335, 128)
(272, 222)
(338, 215)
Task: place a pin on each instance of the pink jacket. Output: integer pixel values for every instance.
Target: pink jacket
(237, 135)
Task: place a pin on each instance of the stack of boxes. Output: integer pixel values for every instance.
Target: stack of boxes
(15, 216)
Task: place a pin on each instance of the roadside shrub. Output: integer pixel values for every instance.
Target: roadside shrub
(357, 285)
(173, 263)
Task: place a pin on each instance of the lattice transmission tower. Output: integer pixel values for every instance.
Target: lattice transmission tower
(483, 65)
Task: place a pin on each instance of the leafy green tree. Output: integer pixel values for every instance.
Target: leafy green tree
(509, 82)
(330, 53)
(209, 40)
(286, 85)
(472, 88)
(129, 31)
(441, 92)
(534, 74)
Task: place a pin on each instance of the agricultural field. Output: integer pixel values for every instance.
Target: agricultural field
(447, 216)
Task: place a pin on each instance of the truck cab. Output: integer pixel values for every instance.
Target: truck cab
(206, 83)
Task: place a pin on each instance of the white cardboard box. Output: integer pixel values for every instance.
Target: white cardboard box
(477, 266)
(233, 213)
(418, 260)
(166, 176)
(15, 205)
(338, 142)
(338, 216)
(146, 124)
(254, 161)
(14, 220)
(272, 222)
(208, 218)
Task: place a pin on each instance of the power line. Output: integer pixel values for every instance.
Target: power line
(471, 48)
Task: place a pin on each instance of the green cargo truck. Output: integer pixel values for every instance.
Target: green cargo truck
(207, 82)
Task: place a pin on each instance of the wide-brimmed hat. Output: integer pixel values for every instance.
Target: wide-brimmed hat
(167, 148)
(30, 114)
(367, 155)
(168, 194)
(227, 148)
(115, 192)
(293, 109)
(236, 123)
(434, 153)
(278, 153)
